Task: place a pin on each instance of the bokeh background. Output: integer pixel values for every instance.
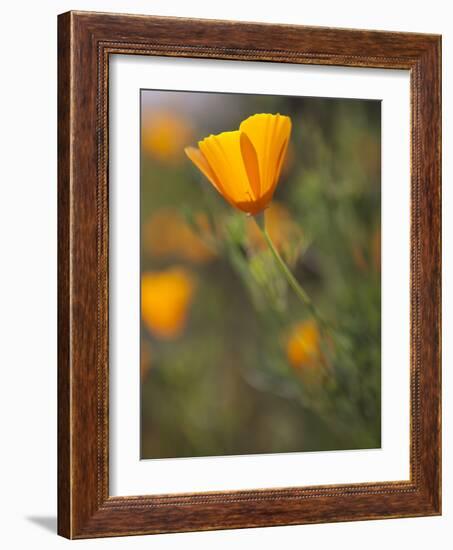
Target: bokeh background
(231, 361)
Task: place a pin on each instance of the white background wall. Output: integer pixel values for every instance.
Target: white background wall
(28, 122)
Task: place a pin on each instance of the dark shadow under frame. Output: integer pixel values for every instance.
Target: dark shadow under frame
(85, 42)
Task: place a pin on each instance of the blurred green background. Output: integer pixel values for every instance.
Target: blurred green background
(231, 361)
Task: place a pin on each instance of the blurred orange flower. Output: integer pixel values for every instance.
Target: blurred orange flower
(164, 135)
(244, 165)
(166, 297)
(304, 345)
(285, 233)
(167, 234)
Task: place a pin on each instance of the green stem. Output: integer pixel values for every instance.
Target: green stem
(292, 281)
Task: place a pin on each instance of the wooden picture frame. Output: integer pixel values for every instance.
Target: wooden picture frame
(85, 42)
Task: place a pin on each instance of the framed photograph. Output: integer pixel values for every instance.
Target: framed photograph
(249, 275)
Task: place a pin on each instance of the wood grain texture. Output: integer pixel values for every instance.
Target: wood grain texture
(86, 40)
(64, 425)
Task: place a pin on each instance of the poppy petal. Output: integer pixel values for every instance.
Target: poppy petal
(223, 153)
(267, 133)
(250, 159)
(197, 157)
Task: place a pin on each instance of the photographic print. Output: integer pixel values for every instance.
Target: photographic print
(228, 339)
(260, 274)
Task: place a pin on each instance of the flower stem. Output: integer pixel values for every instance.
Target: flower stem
(292, 281)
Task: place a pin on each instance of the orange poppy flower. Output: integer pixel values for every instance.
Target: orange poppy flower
(285, 233)
(244, 165)
(304, 345)
(164, 135)
(166, 297)
(167, 235)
